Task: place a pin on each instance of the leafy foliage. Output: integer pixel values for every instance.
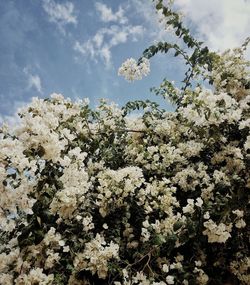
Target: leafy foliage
(99, 197)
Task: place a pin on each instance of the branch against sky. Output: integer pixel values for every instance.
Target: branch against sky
(222, 24)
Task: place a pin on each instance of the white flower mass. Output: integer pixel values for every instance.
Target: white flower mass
(132, 70)
(95, 196)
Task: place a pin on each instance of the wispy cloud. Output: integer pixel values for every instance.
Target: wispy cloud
(107, 15)
(99, 47)
(60, 13)
(222, 24)
(13, 120)
(34, 81)
(145, 10)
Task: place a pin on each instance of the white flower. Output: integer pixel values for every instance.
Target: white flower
(61, 243)
(217, 233)
(35, 276)
(240, 224)
(198, 263)
(66, 248)
(6, 279)
(96, 255)
(238, 213)
(52, 258)
(165, 268)
(170, 279)
(57, 96)
(199, 202)
(247, 143)
(202, 277)
(206, 216)
(78, 218)
(190, 207)
(105, 226)
(87, 224)
(131, 70)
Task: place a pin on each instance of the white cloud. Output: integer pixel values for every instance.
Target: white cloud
(105, 39)
(146, 11)
(107, 15)
(34, 81)
(222, 24)
(99, 47)
(13, 120)
(60, 14)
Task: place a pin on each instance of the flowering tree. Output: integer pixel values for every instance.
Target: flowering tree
(96, 197)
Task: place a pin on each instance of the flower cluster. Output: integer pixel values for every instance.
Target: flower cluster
(132, 70)
(217, 233)
(96, 256)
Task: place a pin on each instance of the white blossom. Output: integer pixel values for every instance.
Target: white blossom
(132, 70)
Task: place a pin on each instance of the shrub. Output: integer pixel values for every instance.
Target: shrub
(98, 197)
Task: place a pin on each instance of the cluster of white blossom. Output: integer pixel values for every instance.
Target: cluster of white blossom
(241, 269)
(115, 186)
(217, 233)
(228, 71)
(76, 185)
(35, 276)
(96, 255)
(132, 70)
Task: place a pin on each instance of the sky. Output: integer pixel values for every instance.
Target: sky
(75, 47)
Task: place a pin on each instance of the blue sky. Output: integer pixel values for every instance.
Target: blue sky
(75, 47)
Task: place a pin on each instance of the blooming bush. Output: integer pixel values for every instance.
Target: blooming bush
(98, 197)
